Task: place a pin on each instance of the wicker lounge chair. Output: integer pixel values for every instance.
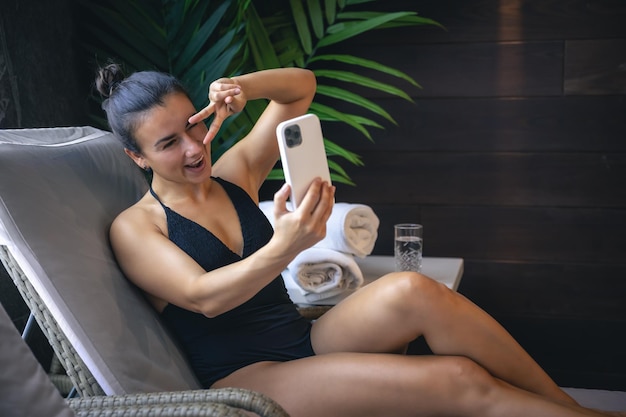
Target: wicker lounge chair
(60, 188)
(26, 390)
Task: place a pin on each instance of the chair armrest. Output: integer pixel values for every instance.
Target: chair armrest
(163, 410)
(233, 398)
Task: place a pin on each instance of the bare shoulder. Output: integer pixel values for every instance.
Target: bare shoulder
(136, 222)
(138, 237)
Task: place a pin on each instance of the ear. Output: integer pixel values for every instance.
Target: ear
(136, 157)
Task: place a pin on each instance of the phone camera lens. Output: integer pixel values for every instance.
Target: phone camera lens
(293, 136)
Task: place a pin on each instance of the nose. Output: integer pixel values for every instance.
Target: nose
(193, 146)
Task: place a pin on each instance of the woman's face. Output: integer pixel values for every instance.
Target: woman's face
(169, 145)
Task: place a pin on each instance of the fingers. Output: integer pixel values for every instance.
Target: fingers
(224, 92)
(202, 114)
(318, 198)
(215, 126)
(221, 98)
(306, 225)
(325, 204)
(329, 200)
(280, 200)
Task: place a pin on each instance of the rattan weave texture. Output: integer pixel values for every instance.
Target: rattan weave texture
(217, 402)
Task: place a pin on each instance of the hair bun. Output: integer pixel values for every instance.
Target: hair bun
(108, 79)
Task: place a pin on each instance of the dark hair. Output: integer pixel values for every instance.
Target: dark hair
(127, 99)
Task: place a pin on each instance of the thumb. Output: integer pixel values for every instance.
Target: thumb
(280, 200)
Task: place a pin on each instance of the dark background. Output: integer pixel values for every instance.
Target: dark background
(513, 155)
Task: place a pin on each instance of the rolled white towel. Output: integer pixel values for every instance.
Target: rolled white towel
(300, 296)
(318, 273)
(352, 228)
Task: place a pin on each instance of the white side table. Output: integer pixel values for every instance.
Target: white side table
(448, 271)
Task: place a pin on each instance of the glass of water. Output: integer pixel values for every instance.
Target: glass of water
(408, 246)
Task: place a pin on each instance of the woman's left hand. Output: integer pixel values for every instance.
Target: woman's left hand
(300, 229)
(225, 98)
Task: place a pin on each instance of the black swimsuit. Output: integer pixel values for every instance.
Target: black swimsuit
(265, 328)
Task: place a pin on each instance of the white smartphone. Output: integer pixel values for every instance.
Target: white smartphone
(302, 154)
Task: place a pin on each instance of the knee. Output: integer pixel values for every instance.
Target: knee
(411, 287)
(467, 380)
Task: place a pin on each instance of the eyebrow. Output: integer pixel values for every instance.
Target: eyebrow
(168, 137)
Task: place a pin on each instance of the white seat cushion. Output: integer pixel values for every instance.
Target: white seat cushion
(60, 189)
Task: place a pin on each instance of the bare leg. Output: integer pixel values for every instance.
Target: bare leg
(394, 310)
(358, 384)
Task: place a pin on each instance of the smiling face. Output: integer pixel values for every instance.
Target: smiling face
(169, 145)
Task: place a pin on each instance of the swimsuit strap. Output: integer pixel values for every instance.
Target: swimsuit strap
(157, 197)
(154, 194)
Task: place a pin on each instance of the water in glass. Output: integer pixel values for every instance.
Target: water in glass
(408, 253)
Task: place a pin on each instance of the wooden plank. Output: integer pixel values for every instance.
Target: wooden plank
(40, 43)
(579, 353)
(504, 20)
(596, 66)
(583, 353)
(470, 70)
(584, 290)
(507, 179)
(510, 234)
(539, 124)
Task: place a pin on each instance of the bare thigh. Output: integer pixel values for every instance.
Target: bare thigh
(383, 316)
(358, 384)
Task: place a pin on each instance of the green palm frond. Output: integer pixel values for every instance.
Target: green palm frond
(353, 98)
(350, 28)
(365, 63)
(202, 40)
(193, 40)
(363, 81)
(294, 32)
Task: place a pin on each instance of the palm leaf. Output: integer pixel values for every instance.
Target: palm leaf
(302, 25)
(366, 63)
(338, 174)
(410, 20)
(201, 40)
(353, 98)
(330, 6)
(342, 31)
(316, 17)
(212, 59)
(121, 30)
(198, 39)
(333, 149)
(259, 42)
(363, 81)
(329, 114)
(182, 20)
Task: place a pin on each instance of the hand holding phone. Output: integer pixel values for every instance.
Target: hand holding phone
(302, 154)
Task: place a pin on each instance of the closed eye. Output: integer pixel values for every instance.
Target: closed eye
(169, 143)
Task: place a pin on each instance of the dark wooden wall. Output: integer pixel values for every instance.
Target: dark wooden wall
(41, 83)
(513, 157)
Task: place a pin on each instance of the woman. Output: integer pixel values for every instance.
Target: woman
(210, 263)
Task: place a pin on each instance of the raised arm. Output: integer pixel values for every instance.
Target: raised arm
(290, 91)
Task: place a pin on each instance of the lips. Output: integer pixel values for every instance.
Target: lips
(198, 164)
